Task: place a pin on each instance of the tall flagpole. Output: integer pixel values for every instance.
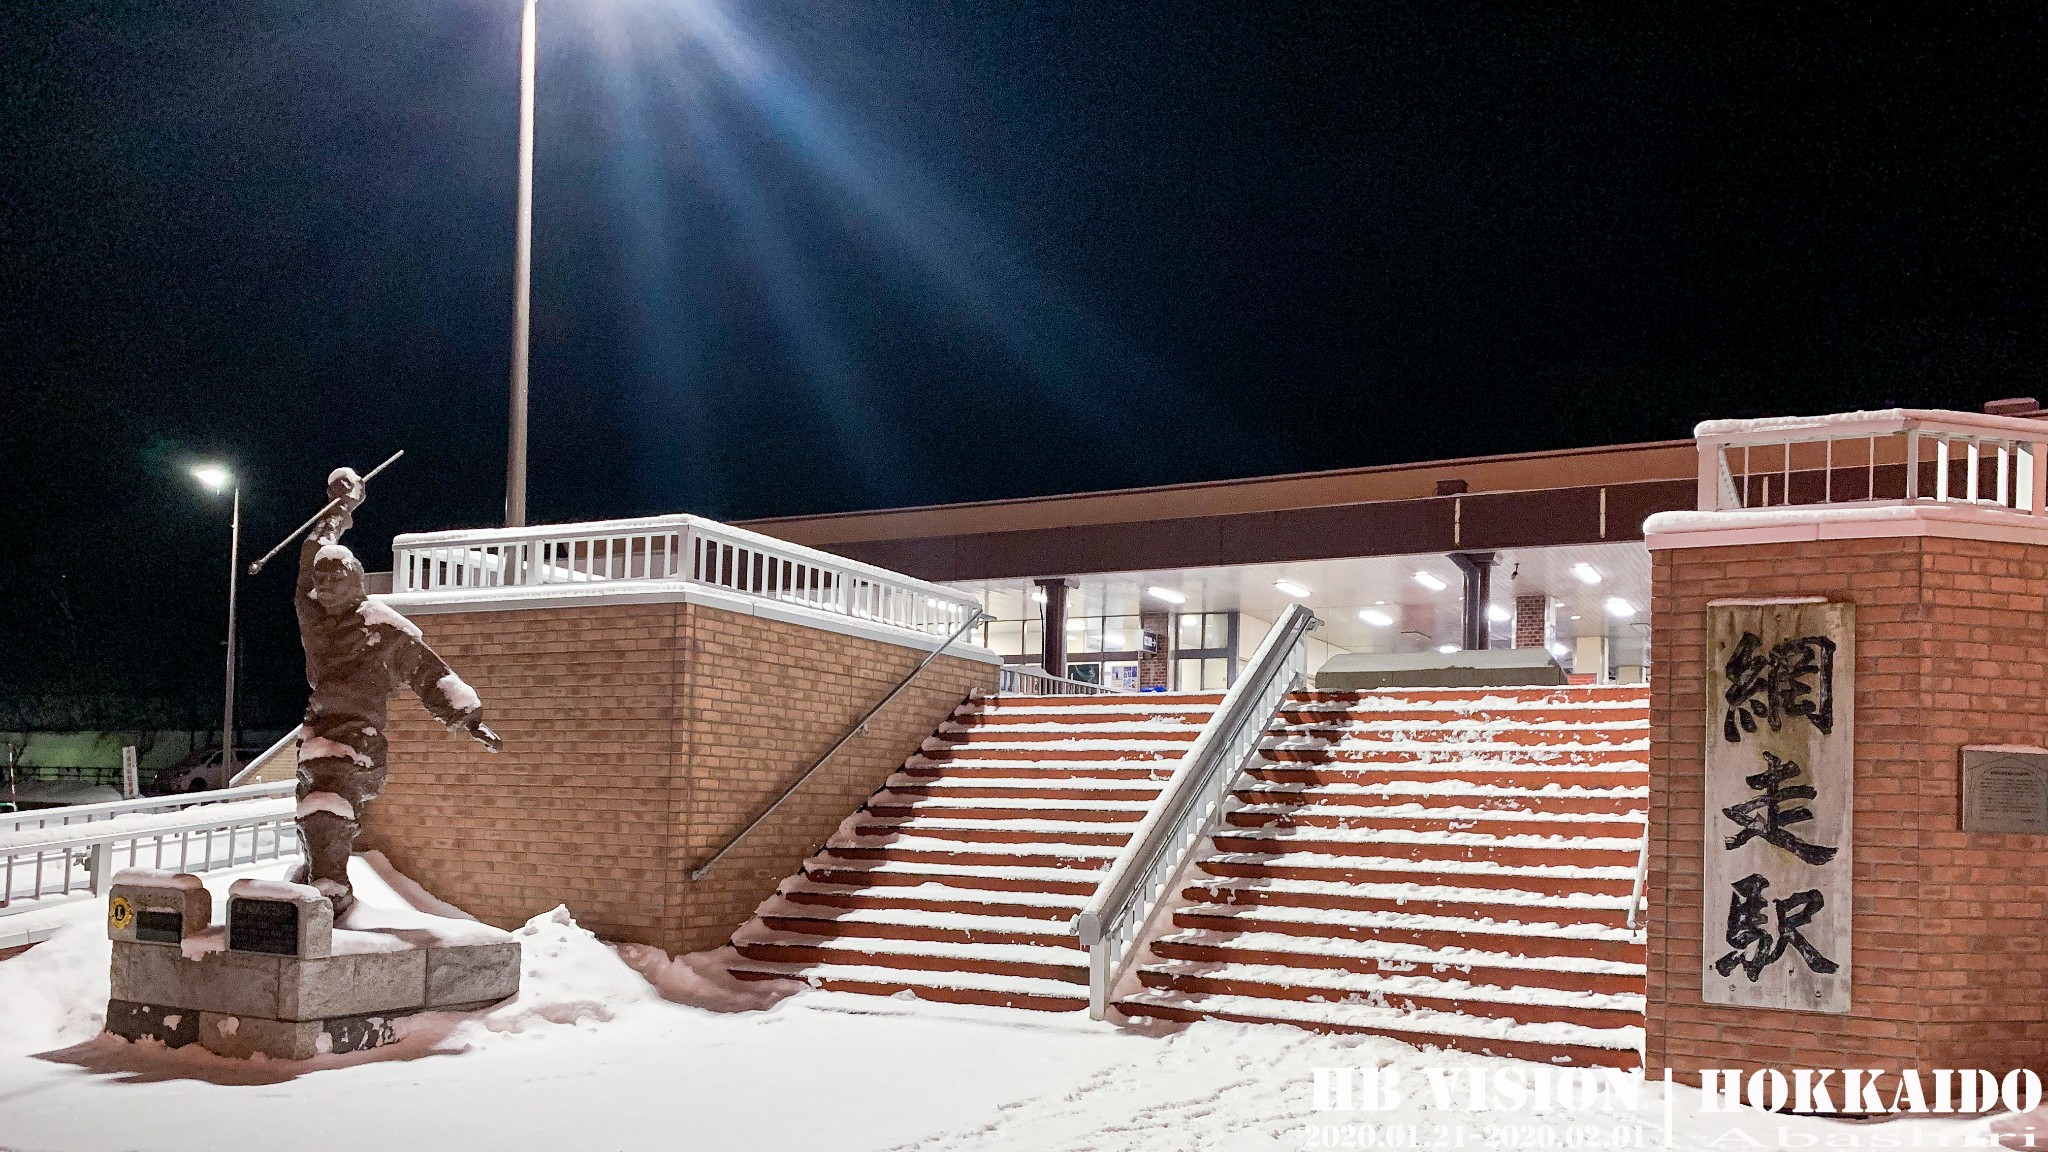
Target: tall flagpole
(522, 272)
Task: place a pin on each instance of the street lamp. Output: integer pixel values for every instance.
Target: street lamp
(522, 274)
(217, 478)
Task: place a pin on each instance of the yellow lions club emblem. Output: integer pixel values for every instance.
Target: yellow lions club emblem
(120, 914)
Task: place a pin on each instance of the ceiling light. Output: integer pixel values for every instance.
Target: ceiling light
(1166, 594)
(1430, 581)
(212, 475)
(1376, 619)
(1562, 604)
(1620, 609)
(1575, 617)
(1447, 649)
(1586, 573)
(1290, 588)
(1498, 614)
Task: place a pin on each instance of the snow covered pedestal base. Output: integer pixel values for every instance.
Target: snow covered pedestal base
(282, 980)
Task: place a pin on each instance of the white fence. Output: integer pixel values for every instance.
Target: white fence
(1898, 456)
(686, 548)
(87, 813)
(1112, 923)
(42, 865)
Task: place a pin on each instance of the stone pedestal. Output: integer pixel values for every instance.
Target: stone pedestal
(1950, 650)
(279, 979)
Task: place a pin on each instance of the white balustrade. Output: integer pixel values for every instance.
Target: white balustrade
(1897, 457)
(675, 548)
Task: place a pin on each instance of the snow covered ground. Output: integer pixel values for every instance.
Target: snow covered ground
(604, 1050)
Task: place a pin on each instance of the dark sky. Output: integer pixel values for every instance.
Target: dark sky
(806, 256)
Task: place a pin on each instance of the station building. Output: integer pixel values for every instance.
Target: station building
(1172, 588)
(1706, 754)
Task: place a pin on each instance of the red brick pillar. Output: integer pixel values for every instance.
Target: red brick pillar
(1532, 621)
(1950, 643)
(1154, 670)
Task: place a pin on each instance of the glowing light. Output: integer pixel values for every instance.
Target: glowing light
(1586, 573)
(1166, 594)
(1038, 596)
(1620, 609)
(1447, 649)
(1498, 614)
(1290, 588)
(1561, 650)
(1430, 581)
(1376, 619)
(213, 476)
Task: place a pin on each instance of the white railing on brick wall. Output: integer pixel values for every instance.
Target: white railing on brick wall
(42, 866)
(675, 548)
(1111, 925)
(1898, 456)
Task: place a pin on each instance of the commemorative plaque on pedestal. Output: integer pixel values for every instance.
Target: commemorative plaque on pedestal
(279, 978)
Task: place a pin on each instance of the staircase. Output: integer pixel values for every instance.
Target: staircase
(960, 879)
(1444, 867)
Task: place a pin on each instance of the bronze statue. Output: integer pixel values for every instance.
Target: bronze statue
(357, 652)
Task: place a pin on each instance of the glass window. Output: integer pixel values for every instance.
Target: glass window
(1215, 630)
(1188, 631)
(1215, 675)
(1187, 675)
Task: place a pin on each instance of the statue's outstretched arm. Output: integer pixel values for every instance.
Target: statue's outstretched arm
(451, 700)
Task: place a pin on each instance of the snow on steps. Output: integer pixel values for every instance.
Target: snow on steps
(1444, 867)
(960, 879)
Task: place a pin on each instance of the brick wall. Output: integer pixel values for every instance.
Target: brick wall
(1952, 649)
(638, 739)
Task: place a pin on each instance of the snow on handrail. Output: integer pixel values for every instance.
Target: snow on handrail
(44, 865)
(1898, 456)
(675, 548)
(1113, 921)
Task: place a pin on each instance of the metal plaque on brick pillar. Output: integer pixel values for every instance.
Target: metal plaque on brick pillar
(1780, 768)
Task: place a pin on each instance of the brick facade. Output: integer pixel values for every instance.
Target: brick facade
(1952, 649)
(1155, 669)
(638, 739)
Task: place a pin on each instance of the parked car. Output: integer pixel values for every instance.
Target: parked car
(199, 772)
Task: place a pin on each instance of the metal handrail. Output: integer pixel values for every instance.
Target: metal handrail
(266, 756)
(1127, 896)
(1034, 680)
(859, 727)
(1635, 896)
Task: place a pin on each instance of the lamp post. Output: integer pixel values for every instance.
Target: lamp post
(217, 478)
(522, 274)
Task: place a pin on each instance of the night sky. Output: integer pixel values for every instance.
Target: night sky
(801, 257)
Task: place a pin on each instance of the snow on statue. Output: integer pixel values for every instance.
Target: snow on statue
(357, 652)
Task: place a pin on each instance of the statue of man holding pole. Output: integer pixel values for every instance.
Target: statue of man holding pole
(357, 652)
